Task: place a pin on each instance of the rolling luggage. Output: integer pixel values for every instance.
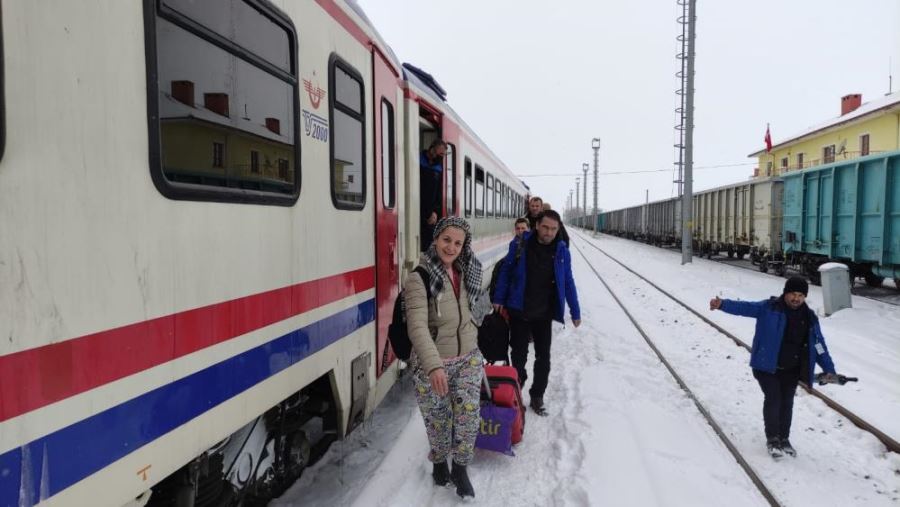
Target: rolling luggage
(502, 410)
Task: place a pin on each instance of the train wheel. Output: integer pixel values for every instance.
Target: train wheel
(779, 269)
(873, 280)
(763, 266)
(897, 283)
(730, 253)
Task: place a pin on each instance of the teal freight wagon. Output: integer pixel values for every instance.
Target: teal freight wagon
(847, 211)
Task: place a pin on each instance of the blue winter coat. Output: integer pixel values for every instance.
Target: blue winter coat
(510, 290)
(770, 324)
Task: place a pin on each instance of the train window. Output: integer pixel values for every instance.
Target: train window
(226, 79)
(498, 208)
(479, 191)
(348, 174)
(489, 197)
(388, 174)
(467, 187)
(451, 179)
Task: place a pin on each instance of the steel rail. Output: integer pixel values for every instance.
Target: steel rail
(891, 444)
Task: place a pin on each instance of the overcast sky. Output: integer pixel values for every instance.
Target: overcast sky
(538, 80)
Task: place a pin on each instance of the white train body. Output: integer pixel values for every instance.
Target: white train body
(153, 308)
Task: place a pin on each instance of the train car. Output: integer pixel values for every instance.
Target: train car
(663, 222)
(740, 219)
(207, 211)
(848, 211)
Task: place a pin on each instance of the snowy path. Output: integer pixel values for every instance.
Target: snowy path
(864, 341)
(620, 432)
(838, 464)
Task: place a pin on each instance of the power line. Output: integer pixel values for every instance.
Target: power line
(607, 173)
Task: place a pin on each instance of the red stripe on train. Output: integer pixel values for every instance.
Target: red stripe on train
(37, 377)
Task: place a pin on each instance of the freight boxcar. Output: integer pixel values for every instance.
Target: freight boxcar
(741, 219)
(663, 222)
(847, 211)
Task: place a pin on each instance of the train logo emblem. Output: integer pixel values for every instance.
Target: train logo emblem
(315, 93)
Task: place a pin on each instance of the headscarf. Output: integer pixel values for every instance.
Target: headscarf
(466, 263)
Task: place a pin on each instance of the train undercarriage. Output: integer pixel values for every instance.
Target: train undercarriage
(262, 459)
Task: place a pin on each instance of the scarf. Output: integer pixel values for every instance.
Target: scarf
(467, 264)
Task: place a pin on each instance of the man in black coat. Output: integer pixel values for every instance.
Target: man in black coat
(431, 179)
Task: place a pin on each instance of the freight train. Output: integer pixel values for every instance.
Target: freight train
(207, 209)
(846, 211)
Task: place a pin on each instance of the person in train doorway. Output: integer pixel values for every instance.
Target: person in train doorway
(786, 346)
(447, 367)
(534, 285)
(431, 172)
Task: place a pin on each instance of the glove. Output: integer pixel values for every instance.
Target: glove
(833, 378)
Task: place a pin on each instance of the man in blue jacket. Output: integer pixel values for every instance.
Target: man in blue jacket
(786, 346)
(534, 285)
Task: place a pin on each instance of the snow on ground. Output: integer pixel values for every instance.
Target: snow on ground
(838, 464)
(620, 431)
(864, 341)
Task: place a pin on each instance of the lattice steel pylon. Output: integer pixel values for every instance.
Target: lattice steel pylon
(685, 128)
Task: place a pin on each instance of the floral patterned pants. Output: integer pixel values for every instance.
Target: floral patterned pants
(452, 421)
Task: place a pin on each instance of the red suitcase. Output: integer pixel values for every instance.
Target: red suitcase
(505, 392)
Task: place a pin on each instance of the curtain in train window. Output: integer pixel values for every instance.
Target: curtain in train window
(467, 187)
(451, 179)
(479, 191)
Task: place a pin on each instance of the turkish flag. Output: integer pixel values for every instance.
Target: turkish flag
(768, 140)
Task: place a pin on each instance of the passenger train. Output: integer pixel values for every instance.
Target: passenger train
(847, 211)
(207, 209)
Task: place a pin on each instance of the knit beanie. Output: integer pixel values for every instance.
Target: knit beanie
(796, 284)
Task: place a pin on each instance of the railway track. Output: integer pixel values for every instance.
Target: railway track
(891, 444)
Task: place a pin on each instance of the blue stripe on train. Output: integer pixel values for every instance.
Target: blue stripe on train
(60, 459)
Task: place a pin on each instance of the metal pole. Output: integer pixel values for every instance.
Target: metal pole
(595, 144)
(584, 167)
(577, 194)
(687, 199)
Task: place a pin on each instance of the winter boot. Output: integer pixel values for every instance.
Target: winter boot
(788, 448)
(441, 474)
(773, 445)
(461, 478)
(537, 404)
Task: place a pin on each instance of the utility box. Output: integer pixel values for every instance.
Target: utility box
(835, 286)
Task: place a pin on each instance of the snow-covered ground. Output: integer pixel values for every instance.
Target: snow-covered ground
(621, 432)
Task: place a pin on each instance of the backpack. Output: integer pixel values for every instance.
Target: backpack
(495, 274)
(397, 331)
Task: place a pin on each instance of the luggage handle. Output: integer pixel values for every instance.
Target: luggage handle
(487, 386)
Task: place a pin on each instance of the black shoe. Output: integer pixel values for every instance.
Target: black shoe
(537, 404)
(787, 448)
(773, 445)
(461, 479)
(441, 474)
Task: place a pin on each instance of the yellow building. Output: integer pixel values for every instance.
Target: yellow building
(861, 129)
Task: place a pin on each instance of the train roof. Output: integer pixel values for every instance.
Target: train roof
(888, 102)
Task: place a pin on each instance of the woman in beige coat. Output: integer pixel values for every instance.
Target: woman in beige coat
(448, 366)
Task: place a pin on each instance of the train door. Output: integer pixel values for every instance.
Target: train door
(387, 271)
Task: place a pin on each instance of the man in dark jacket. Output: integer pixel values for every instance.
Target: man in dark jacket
(534, 285)
(431, 179)
(786, 346)
(535, 208)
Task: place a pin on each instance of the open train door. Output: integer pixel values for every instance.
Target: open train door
(387, 258)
